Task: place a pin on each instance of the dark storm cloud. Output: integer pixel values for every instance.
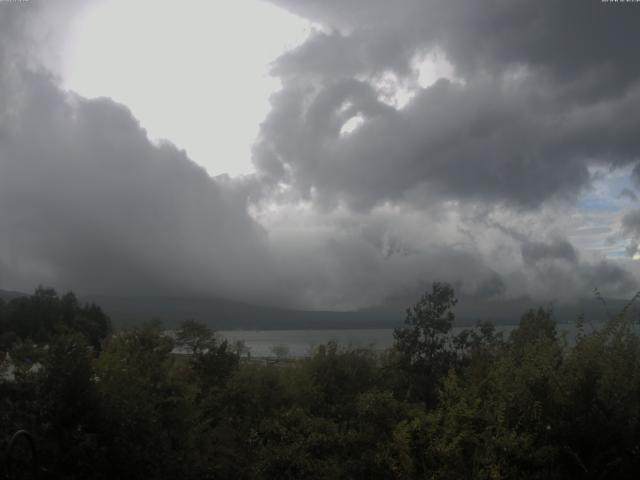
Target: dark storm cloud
(88, 202)
(492, 287)
(628, 194)
(574, 40)
(631, 223)
(631, 229)
(488, 142)
(557, 268)
(557, 264)
(559, 249)
(607, 277)
(546, 90)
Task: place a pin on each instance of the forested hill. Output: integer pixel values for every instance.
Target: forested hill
(7, 295)
(224, 314)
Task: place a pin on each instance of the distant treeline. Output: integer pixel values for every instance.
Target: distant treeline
(123, 405)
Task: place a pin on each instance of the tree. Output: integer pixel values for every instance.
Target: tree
(338, 376)
(68, 407)
(44, 315)
(535, 325)
(195, 336)
(423, 344)
(146, 414)
(213, 362)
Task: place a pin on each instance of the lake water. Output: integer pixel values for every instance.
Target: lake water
(301, 343)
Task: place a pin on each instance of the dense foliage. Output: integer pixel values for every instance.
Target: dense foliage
(140, 403)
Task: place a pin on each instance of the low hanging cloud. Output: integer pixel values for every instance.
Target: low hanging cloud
(558, 249)
(88, 202)
(631, 229)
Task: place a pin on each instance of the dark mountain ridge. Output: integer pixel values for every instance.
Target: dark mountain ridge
(224, 314)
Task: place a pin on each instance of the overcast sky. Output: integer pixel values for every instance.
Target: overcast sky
(324, 154)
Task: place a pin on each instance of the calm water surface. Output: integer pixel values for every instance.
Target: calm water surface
(301, 343)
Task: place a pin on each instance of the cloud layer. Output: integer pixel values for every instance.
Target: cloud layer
(475, 179)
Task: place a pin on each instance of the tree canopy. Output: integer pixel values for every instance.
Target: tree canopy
(108, 404)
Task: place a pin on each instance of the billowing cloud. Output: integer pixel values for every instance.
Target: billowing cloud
(485, 37)
(531, 108)
(473, 178)
(88, 202)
